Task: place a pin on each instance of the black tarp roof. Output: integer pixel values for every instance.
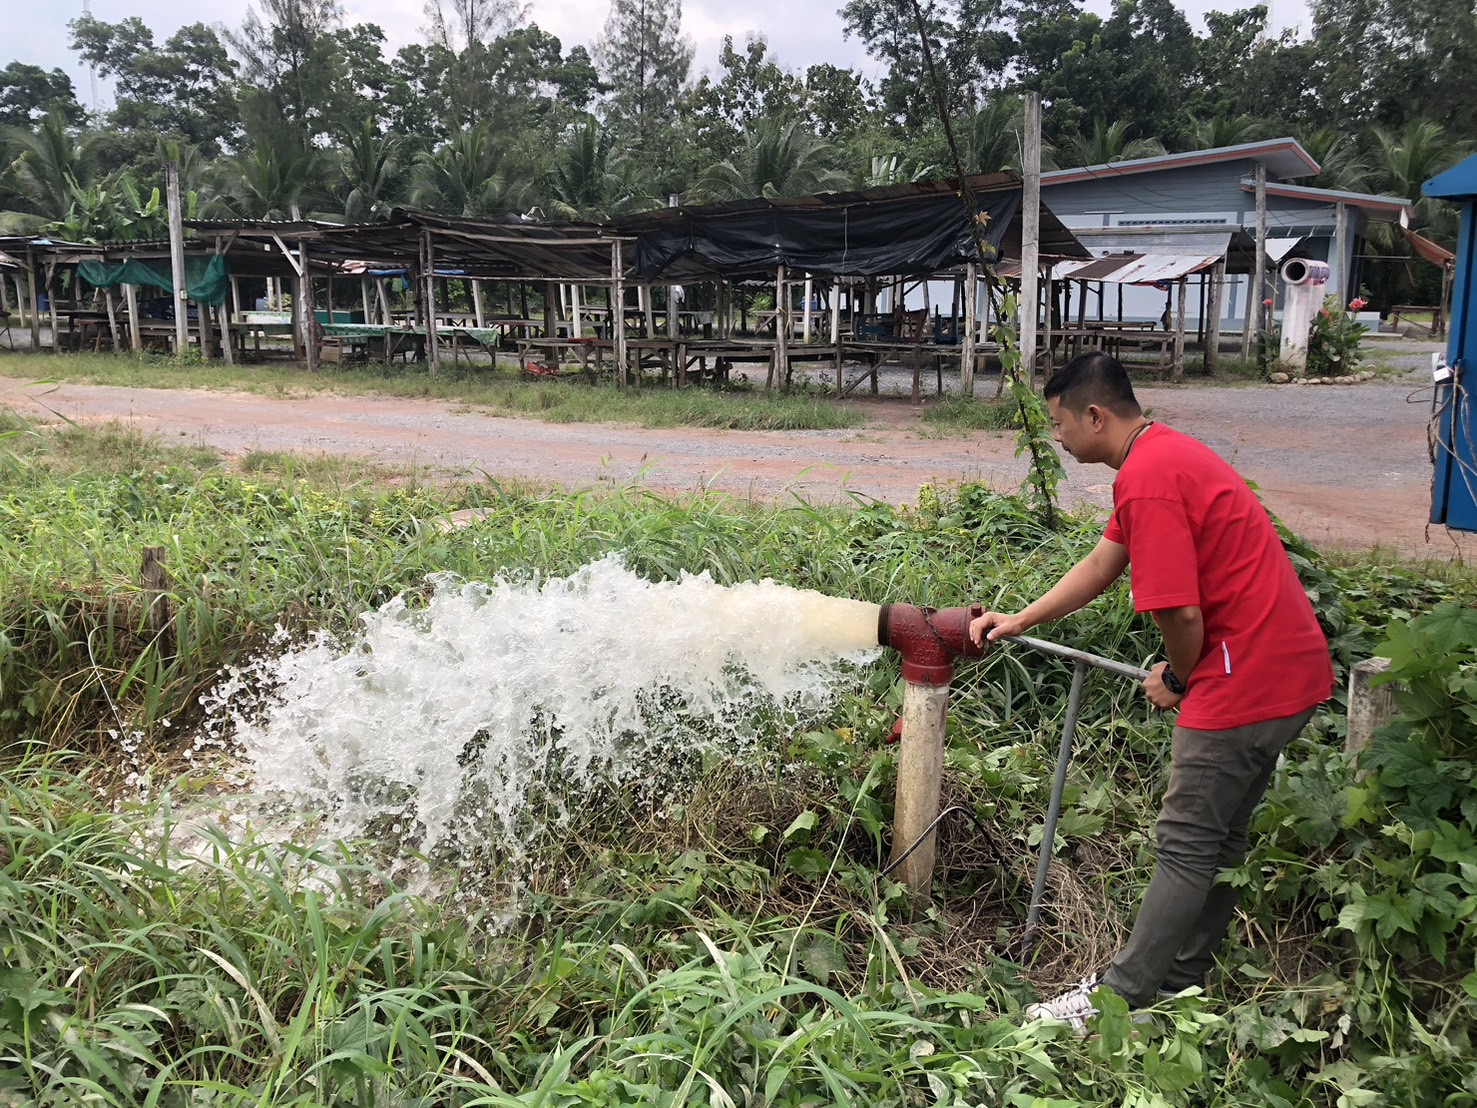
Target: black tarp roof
(910, 229)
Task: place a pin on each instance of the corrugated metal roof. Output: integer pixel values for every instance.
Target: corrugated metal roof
(1124, 269)
(1458, 182)
(1154, 268)
(1284, 157)
(1198, 240)
(1364, 201)
(1432, 252)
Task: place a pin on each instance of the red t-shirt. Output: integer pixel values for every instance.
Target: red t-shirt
(1197, 535)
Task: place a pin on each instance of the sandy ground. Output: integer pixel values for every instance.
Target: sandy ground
(1345, 466)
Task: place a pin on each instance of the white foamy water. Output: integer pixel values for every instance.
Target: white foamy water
(488, 710)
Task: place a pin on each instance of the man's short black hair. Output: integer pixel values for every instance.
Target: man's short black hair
(1094, 378)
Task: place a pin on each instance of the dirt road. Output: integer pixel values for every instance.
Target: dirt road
(1342, 465)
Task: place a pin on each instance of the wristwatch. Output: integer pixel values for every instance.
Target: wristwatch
(1171, 682)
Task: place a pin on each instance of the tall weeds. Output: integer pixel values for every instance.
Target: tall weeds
(732, 943)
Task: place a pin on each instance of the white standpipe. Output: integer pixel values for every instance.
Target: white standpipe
(1303, 284)
(920, 771)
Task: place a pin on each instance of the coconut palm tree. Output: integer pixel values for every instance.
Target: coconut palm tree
(1406, 159)
(1107, 143)
(266, 182)
(1224, 130)
(369, 173)
(1403, 160)
(890, 169)
(465, 176)
(1342, 165)
(51, 163)
(589, 181)
(990, 140)
(777, 159)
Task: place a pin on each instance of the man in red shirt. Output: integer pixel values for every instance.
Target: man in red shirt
(1247, 662)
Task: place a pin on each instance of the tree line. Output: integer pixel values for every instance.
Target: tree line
(297, 110)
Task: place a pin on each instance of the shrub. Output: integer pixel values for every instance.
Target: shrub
(1333, 345)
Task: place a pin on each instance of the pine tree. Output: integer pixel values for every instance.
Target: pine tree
(644, 61)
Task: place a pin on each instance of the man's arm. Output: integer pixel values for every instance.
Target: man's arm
(1183, 630)
(1080, 585)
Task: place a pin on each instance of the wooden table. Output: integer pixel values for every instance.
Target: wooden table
(552, 353)
(241, 332)
(380, 340)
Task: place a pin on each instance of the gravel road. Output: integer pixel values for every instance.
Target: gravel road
(1345, 466)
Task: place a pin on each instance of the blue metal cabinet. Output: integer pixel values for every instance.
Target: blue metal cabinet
(1454, 492)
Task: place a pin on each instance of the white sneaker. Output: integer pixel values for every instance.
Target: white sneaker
(1073, 1007)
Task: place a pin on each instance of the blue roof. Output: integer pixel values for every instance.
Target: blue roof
(1458, 181)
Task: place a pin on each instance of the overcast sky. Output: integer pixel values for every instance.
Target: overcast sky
(800, 32)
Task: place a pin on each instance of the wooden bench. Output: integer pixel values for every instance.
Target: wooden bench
(1399, 312)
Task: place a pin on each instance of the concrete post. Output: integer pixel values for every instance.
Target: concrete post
(920, 771)
(1370, 706)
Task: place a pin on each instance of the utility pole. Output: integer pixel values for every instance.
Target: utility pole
(177, 261)
(1030, 236)
(1263, 311)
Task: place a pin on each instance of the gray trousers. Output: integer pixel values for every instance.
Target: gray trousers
(1216, 780)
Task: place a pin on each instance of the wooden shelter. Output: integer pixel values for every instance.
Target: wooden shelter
(857, 246)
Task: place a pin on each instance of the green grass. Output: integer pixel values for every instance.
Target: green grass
(733, 945)
(959, 415)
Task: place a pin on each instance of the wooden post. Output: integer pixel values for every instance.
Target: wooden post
(56, 323)
(35, 301)
(477, 305)
(223, 316)
(1048, 288)
(920, 767)
(644, 295)
(1030, 234)
(576, 326)
(618, 314)
(805, 311)
(177, 259)
(202, 324)
(428, 253)
(384, 301)
(1213, 324)
(1177, 369)
(551, 296)
(112, 319)
(135, 328)
(1200, 312)
(971, 323)
(779, 366)
(155, 583)
(1254, 312)
(1339, 262)
(309, 309)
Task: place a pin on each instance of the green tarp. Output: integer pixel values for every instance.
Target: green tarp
(206, 279)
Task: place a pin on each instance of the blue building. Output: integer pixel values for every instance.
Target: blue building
(1454, 488)
(1205, 201)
